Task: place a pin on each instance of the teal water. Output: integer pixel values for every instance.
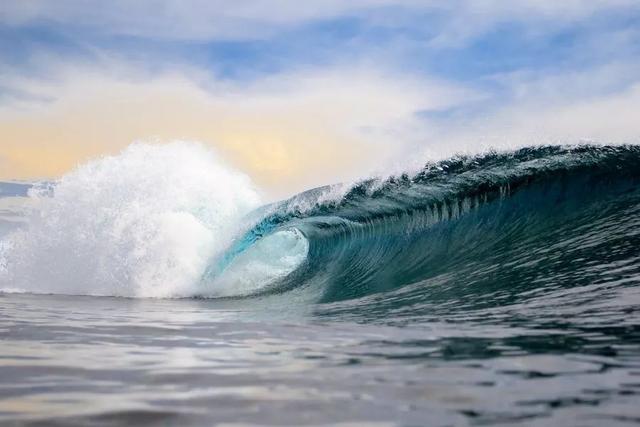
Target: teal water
(500, 289)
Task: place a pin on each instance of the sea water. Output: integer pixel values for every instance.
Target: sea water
(156, 287)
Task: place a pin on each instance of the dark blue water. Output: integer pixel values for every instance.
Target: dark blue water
(501, 289)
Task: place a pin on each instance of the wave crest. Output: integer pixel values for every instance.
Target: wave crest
(144, 223)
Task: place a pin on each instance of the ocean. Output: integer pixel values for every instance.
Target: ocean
(155, 287)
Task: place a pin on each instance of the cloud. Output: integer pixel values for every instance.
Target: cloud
(289, 131)
(308, 127)
(457, 20)
(357, 86)
(610, 119)
(196, 19)
(597, 106)
(469, 19)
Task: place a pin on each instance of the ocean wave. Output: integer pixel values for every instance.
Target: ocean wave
(172, 221)
(467, 227)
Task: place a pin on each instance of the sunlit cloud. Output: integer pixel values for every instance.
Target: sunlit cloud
(309, 93)
(288, 131)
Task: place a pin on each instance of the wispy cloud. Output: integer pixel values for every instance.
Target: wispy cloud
(458, 20)
(290, 130)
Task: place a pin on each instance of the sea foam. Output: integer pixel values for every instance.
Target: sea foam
(143, 223)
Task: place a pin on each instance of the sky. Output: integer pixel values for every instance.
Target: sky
(301, 94)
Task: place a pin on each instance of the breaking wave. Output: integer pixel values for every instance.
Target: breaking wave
(173, 221)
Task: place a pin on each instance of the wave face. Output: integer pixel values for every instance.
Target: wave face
(471, 232)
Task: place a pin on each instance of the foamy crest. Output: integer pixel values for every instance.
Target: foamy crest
(142, 223)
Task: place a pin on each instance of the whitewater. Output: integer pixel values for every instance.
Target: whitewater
(157, 285)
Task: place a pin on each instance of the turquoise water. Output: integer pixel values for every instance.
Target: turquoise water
(500, 289)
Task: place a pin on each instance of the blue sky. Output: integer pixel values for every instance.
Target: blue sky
(452, 76)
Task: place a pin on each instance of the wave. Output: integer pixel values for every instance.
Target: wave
(503, 223)
(468, 231)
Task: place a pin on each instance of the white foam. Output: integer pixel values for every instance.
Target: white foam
(143, 223)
